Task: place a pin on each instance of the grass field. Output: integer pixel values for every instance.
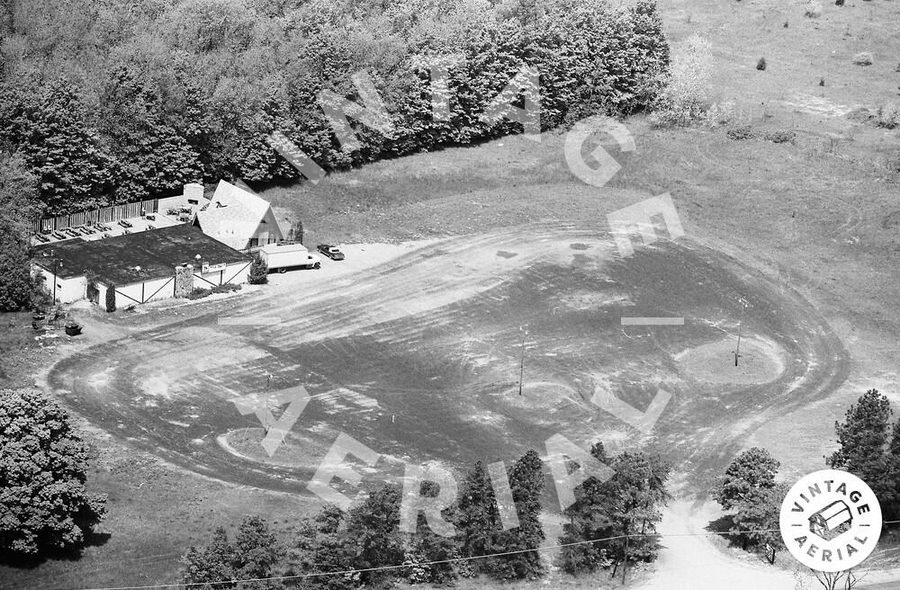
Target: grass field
(818, 216)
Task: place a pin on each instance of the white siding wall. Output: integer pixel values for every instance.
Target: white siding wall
(67, 290)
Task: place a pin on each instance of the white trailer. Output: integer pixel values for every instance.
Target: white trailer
(283, 257)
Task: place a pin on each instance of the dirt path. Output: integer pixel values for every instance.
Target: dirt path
(690, 561)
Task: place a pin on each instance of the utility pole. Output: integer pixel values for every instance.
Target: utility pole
(737, 350)
(522, 361)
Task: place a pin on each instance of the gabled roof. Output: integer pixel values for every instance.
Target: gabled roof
(233, 215)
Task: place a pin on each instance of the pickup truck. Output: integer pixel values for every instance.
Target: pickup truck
(284, 257)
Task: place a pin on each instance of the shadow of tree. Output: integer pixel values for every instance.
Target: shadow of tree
(22, 561)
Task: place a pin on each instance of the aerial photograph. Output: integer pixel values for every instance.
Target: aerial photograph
(449, 294)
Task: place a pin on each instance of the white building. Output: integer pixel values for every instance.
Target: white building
(238, 218)
(141, 266)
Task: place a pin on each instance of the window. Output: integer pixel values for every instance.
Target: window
(254, 242)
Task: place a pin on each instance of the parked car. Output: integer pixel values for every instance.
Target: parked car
(332, 252)
(125, 223)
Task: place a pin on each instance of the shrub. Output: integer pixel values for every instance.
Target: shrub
(740, 132)
(863, 58)
(761, 64)
(887, 116)
(813, 9)
(259, 272)
(254, 554)
(838, 2)
(44, 503)
(110, 298)
(781, 136)
(225, 288)
(41, 298)
(684, 98)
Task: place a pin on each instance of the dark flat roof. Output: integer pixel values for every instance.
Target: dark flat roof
(156, 251)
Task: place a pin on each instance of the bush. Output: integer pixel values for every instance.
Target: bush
(740, 133)
(41, 297)
(684, 98)
(254, 554)
(259, 272)
(761, 64)
(887, 116)
(225, 288)
(863, 58)
(781, 136)
(44, 505)
(110, 298)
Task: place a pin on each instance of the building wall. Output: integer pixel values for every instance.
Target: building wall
(268, 231)
(67, 290)
(75, 288)
(136, 293)
(158, 289)
(236, 274)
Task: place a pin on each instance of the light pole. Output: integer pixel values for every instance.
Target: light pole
(522, 362)
(57, 264)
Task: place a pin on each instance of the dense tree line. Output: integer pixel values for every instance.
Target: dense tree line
(117, 100)
(369, 535)
(18, 205)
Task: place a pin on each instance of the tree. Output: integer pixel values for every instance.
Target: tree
(253, 555)
(622, 512)
(845, 580)
(154, 160)
(373, 534)
(756, 520)
(864, 446)
(749, 490)
(259, 272)
(18, 207)
(425, 547)
(44, 505)
(211, 565)
(752, 472)
(296, 232)
(633, 505)
(110, 298)
(48, 125)
(587, 521)
(321, 547)
(477, 518)
(526, 480)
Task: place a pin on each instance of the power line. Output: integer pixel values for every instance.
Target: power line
(436, 562)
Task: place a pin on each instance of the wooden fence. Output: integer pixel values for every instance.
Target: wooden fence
(109, 214)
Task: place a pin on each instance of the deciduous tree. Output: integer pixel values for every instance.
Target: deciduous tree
(44, 504)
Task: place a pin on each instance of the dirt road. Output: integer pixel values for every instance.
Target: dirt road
(419, 358)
